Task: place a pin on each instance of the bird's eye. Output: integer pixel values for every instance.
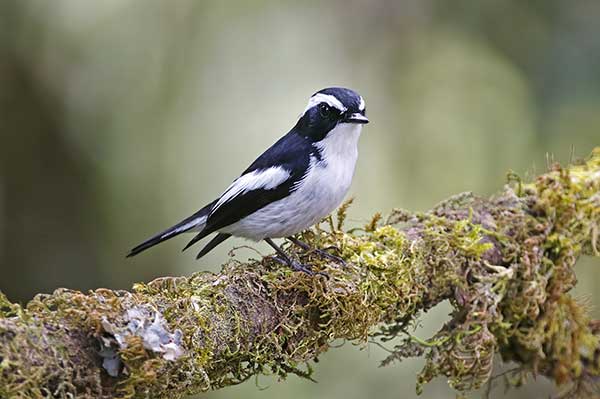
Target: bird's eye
(324, 110)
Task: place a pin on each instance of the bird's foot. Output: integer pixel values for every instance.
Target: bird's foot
(334, 258)
(321, 252)
(300, 267)
(304, 268)
(282, 261)
(297, 266)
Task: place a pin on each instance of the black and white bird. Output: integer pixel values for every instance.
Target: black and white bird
(295, 183)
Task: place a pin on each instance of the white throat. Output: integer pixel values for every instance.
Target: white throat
(341, 144)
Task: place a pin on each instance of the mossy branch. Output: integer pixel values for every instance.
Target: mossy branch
(505, 264)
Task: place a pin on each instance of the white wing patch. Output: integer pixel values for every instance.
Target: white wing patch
(266, 179)
(197, 224)
(319, 98)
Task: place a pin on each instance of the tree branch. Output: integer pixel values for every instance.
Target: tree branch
(505, 264)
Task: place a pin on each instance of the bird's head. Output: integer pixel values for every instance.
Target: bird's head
(330, 108)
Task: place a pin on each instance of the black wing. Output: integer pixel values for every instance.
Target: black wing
(292, 153)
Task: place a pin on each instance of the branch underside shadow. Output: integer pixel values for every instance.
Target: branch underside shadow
(505, 264)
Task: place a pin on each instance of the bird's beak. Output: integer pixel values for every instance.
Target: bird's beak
(356, 118)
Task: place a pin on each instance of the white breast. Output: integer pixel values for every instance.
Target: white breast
(321, 190)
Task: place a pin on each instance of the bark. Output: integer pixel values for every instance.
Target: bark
(505, 264)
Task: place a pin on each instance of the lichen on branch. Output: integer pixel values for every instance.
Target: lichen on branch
(505, 264)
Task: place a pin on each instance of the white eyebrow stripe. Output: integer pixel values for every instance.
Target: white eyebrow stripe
(332, 101)
(266, 179)
(361, 106)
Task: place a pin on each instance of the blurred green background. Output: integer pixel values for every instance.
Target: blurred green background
(118, 118)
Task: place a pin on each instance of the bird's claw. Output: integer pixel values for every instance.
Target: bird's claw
(331, 257)
(299, 267)
(321, 252)
(280, 260)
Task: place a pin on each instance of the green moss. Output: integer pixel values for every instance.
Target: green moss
(521, 305)
(8, 309)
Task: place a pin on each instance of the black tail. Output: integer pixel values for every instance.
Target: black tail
(181, 227)
(219, 238)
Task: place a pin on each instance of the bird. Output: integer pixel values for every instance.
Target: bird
(294, 184)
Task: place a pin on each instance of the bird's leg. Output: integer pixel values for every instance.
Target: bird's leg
(295, 265)
(320, 252)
